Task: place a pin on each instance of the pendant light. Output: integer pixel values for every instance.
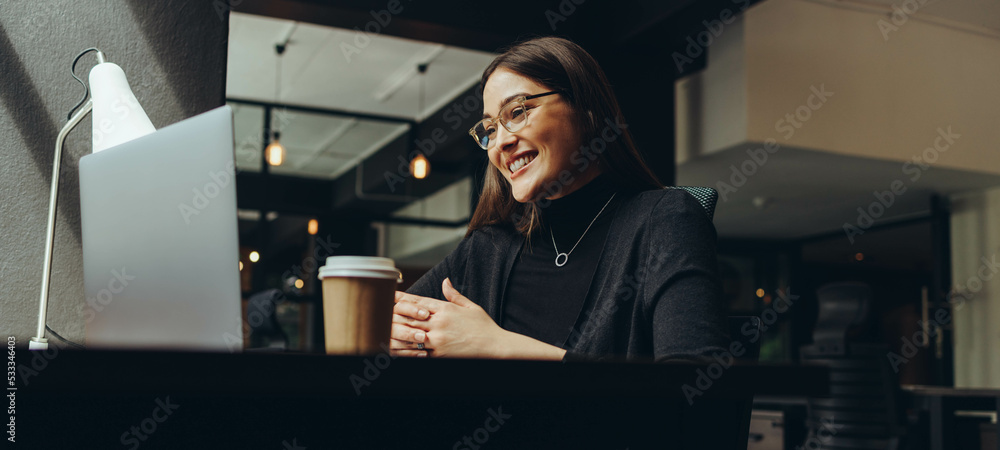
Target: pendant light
(420, 167)
(275, 152)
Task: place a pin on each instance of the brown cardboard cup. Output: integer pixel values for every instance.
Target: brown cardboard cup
(358, 296)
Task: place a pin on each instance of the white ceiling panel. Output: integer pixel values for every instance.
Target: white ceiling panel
(321, 69)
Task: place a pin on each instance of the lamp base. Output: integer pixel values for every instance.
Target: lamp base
(37, 343)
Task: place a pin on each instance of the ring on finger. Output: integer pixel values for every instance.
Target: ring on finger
(420, 346)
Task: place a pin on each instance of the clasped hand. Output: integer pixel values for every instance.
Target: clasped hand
(456, 328)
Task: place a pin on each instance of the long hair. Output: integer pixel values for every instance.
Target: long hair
(567, 68)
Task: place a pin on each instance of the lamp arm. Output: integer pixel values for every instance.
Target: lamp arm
(39, 342)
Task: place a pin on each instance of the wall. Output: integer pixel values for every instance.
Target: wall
(174, 55)
(890, 96)
(975, 250)
(423, 246)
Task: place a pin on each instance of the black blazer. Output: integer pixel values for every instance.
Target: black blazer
(655, 294)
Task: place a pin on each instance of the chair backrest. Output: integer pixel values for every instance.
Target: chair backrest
(707, 196)
(863, 400)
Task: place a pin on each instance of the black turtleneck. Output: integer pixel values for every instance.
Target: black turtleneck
(543, 300)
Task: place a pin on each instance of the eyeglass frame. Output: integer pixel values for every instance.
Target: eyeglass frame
(519, 100)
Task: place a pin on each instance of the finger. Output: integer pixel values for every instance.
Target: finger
(411, 310)
(430, 304)
(410, 353)
(411, 322)
(405, 333)
(453, 295)
(396, 344)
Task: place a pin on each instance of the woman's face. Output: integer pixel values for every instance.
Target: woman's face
(547, 141)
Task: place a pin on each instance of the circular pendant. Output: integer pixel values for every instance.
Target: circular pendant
(564, 257)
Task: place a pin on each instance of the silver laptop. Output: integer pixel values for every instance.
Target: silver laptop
(160, 244)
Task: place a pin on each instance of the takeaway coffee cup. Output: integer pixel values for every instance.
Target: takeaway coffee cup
(358, 296)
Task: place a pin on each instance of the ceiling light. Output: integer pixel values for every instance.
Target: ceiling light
(275, 151)
(420, 167)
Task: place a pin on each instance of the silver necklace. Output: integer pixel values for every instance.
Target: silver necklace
(565, 256)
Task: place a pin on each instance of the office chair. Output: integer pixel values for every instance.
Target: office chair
(707, 196)
(861, 411)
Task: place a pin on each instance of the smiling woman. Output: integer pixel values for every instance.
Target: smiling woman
(574, 251)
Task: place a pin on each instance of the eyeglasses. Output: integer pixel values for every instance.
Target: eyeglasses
(512, 116)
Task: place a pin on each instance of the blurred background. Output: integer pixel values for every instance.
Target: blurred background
(849, 140)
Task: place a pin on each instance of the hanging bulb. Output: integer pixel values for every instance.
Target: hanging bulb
(313, 227)
(275, 151)
(420, 167)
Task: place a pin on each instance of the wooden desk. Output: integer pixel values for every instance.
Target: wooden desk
(94, 398)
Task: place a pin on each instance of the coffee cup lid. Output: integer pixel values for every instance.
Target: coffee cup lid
(361, 267)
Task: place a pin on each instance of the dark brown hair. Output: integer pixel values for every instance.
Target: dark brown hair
(565, 67)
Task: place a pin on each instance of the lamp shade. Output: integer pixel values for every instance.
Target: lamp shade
(118, 117)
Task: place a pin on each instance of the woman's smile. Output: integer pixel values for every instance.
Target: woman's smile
(539, 153)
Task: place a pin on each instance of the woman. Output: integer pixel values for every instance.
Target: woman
(574, 251)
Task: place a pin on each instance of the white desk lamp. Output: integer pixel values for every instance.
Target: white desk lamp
(118, 118)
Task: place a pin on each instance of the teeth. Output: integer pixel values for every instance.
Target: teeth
(521, 162)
